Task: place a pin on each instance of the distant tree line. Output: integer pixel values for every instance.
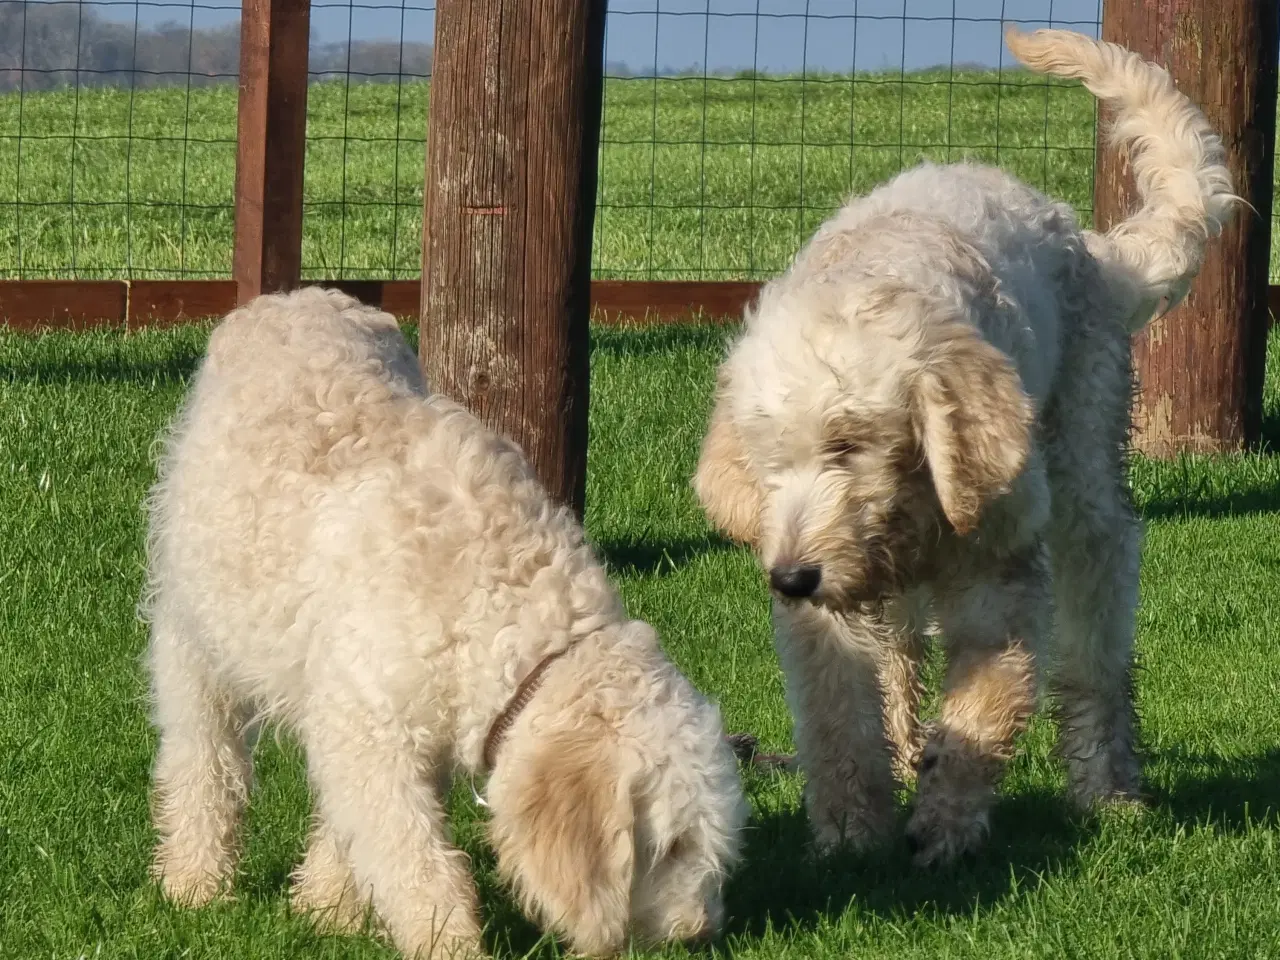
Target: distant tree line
(44, 46)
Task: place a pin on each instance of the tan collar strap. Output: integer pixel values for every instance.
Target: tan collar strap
(519, 700)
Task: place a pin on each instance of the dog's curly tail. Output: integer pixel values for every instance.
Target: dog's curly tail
(1178, 162)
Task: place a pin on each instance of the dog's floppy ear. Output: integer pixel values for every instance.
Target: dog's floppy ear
(723, 482)
(974, 421)
(564, 835)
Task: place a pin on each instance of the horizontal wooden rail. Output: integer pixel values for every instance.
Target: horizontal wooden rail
(85, 304)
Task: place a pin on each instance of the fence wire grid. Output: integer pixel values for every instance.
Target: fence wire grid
(730, 128)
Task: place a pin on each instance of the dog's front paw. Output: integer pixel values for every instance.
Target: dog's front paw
(830, 838)
(1104, 781)
(951, 814)
(857, 826)
(331, 908)
(850, 805)
(939, 836)
(905, 761)
(324, 888)
(188, 886)
(446, 945)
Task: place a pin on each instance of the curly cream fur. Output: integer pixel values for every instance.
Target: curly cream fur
(334, 549)
(924, 424)
(1178, 162)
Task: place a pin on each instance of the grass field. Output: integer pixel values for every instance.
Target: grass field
(1195, 876)
(700, 178)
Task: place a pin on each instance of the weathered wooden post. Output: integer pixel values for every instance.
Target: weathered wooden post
(509, 210)
(1201, 366)
(271, 146)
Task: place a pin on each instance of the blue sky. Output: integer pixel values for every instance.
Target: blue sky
(771, 35)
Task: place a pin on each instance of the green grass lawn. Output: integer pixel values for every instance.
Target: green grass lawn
(699, 178)
(1196, 875)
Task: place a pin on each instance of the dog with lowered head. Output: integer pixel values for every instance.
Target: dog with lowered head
(334, 549)
(924, 427)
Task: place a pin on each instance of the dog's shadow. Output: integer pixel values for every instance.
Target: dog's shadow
(173, 368)
(1176, 506)
(1231, 793)
(1200, 487)
(783, 883)
(642, 557)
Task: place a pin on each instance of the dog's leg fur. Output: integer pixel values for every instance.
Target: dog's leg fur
(832, 666)
(1096, 584)
(201, 775)
(993, 629)
(324, 886)
(384, 810)
(903, 690)
(1094, 540)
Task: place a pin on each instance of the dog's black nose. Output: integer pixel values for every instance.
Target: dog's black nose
(795, 580)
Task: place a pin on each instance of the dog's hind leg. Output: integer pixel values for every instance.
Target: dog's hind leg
(202, 770)
(992, 629)
(1095, 553)
(1094, 540)
(831, 665)
(378, 794)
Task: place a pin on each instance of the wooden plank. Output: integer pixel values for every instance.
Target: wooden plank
(509, 207)
(401, 298)
(271, 133)
(613, 302)
(31, 305)
(27, 304)
(644, 302)
(1201, 366)
(159, 303)
(164, 302)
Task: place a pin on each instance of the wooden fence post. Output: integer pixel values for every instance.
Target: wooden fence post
(271, 146)
(1201, 366)
(509, 210)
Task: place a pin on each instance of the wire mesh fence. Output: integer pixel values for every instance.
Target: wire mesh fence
(721, 171)
(117, 139)
(731, 128)
(366, 139)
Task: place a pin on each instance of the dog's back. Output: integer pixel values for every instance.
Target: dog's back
(310, 474)
(307, 340)
(977, 229)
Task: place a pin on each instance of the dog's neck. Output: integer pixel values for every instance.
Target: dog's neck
(523, 695)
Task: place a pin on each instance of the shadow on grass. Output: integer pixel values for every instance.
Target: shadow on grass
(644, 341)
(642, 557)
(1237, 504)
(1230, 793)
(782, 882)
(107, 355)
(175, 369)
(1211, 487)
(1269, 432)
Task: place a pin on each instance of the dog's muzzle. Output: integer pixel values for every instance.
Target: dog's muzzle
(795, 580)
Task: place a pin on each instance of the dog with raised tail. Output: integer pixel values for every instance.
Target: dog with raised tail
(923, 428)
(337, 550)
